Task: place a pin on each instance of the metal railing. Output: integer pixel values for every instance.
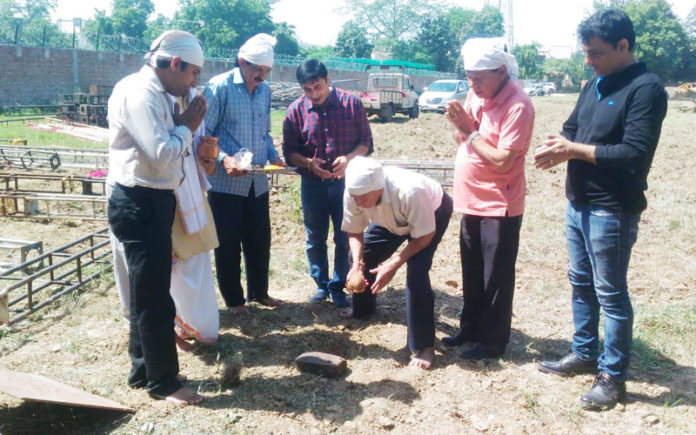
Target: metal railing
(66, 157)
(52, 206)
(51, 183)
(32, 285)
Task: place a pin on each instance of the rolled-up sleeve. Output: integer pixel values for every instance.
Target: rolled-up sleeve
(354, 219)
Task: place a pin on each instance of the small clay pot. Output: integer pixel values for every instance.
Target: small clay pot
(208, 148)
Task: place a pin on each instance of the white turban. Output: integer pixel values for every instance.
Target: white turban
(176, 43)
(258, 50)
(364, 175)
(486, 54)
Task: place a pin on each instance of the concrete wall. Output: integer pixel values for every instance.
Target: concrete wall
(36, 75)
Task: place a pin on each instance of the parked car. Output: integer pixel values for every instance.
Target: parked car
(535, 89)
(436, 96)
(549, 87)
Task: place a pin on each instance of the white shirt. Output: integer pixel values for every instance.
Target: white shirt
(407, 205)
(146, 148)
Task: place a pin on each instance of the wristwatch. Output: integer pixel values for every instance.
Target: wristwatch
(471, 137)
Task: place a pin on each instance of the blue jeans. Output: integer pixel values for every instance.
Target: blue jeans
(599, 250)
(323, 201)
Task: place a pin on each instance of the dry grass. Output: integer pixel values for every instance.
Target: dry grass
(82, 342)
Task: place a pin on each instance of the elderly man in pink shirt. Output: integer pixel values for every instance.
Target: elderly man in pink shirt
(493, 133)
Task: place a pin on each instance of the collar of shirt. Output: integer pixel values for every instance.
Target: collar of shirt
(147, 73)
(605, 85)
(332, 101)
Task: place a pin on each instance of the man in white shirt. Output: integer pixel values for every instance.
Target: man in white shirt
(382, 208)
(148, 140)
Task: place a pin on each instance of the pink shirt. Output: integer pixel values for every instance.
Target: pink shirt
(506, 122)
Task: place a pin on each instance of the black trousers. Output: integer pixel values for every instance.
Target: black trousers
(243, 225)
(141, 218)
(379, 245)
(488, 253)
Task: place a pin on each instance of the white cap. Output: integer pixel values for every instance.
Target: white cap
(176, 43)
(364, 175)
(481, 54)
(258, 50)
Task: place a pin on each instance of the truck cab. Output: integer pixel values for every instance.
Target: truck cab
(389, 91)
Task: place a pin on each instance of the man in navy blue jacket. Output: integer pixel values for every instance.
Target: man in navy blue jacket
(609, 142)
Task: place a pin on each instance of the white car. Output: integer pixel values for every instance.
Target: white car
(549, 87)
(436, 96)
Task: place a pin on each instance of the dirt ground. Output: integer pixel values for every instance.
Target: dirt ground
(82, 341)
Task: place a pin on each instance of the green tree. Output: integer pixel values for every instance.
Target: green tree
(468, 23)
(30, 22)
(130, 16)
(690, 23)
(286, 43)
(661, 41)
(97, 27)
(573, 69)
(228, 23)
(529, 61)
(352, 41)
(391, 21)
(436, 44)
(314, 52)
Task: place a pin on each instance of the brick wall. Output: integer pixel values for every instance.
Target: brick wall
(35, 75)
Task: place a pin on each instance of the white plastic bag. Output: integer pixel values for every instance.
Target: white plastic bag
(243, 157)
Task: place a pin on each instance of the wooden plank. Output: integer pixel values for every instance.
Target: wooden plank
(38, 388)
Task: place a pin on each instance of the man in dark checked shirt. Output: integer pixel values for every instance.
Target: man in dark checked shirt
(322, 131)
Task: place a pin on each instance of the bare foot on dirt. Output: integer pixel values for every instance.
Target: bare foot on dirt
(183, 345)
(346, 312)
(184, 396)
(239, 310)
(423, 359)
(272, 302)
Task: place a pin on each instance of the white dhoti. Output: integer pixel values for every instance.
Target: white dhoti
(193, 291)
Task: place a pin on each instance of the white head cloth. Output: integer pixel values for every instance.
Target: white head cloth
(258, 50)
(364, 175)
(176, 43)
(488, 53)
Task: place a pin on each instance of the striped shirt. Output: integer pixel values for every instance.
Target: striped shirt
(239, 120)
(332, 130)
(146, 148)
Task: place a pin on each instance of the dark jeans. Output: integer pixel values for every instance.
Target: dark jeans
(488, 249)
(243, 225)
(599, 249)
(141, 218)
(323, 201)
(379, 245)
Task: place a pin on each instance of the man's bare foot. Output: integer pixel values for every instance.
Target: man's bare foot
(184, 396)
(239, 310)
(183, 345)
(346, 312)
(423, 359)
(271, 302)
(181, 332)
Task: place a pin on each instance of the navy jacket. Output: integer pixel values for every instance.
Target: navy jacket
(621, 114)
